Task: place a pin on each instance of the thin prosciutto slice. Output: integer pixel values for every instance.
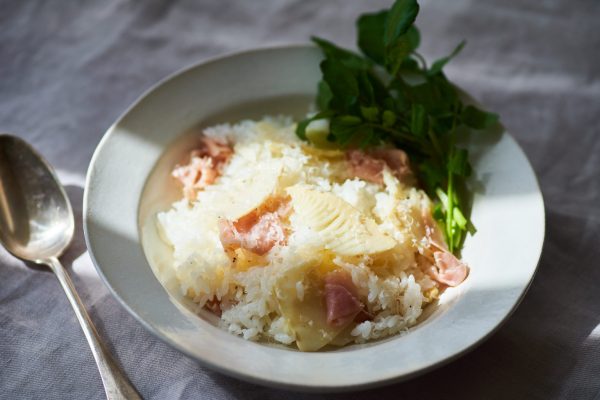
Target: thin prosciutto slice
(448, 269)
(259, 231)
(219, 150)
(365, 167)
(341, 299)
(397, 160)
(204, 166)
(195, 175)
(259, 237)
(369, 166)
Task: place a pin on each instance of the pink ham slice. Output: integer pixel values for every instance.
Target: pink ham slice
(196, 175)
(365, 167)
(341, 299)
(259, 231)
(204, 167)
(259, 237)
(398, 162)
(448, 269)
(369, 165)
(218, 150)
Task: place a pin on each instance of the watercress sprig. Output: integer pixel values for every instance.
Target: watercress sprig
(389, 95)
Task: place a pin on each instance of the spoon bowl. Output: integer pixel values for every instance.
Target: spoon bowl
(36, 219)
(37, 225)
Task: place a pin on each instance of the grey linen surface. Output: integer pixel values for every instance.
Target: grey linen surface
(68, 69)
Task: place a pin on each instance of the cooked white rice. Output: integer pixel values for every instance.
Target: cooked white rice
(393, 285)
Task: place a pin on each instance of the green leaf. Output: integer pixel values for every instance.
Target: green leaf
(414, 37)
(366, 136)
(431, 176)
(317, 133)
(302, 125)
(410, 65)
(401, 17)
(459, 218)
(370, 35)
(367, 92)
(389, 118)
(341, 82)
(448, 96)
(438, 212)
(402, 103)
(458, 162)
(437, 66)
(436, 94)
(471, 228)
(426, 94)
(400, 38)
(418, 120)
(301, 128)
(389, 103)
(395, 55)
(346, 57)
(475, 118)
(443, 198)
(348, 120)
(324, 95)
(344, 127)
(380, 92)
(370, 114)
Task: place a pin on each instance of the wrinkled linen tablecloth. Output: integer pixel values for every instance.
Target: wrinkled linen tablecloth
(68, 69)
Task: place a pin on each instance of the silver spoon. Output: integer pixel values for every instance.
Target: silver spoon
(36, 225)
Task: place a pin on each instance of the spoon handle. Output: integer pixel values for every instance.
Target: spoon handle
(116, 384)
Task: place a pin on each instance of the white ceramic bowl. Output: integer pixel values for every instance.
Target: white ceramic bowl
(508, 211)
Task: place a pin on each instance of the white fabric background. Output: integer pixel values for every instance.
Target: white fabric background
(68, 69)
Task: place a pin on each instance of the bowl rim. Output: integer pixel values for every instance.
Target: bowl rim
(248, 377)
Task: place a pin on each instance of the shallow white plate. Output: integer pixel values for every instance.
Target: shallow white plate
(508, 211)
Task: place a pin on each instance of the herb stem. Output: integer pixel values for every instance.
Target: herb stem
(450, 191)
(394, 132)
(449, 211)
(436, 144)
(421, 59)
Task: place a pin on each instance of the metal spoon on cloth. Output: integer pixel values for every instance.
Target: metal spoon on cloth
(36, 225)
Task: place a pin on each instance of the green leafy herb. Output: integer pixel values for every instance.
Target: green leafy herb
(478, 119)
(388, 95)
(437, 66)
(370, 35)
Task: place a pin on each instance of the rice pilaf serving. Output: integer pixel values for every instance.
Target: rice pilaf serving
(300, 245)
